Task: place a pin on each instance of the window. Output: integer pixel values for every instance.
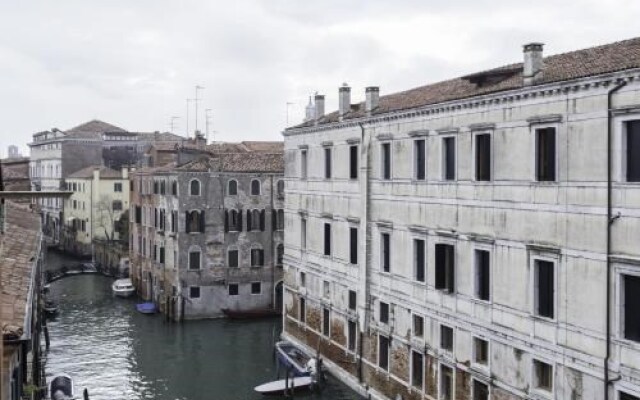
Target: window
(303, 310)
(255, 220)
(162, 187)
(353, 162)
(384, 313)
(194, 187)
(279, 220)
(633, 150)
(420, 160)
(326, 289)
(480, 390)
(232, 188)
(631, 307)
(480, 351)
(542, 376)
(353, 245)
(256, 287)
(162, 255)
(174, 221)
(174, 188)
(544, 288)
(195, 221)
(138, 216)
(303, 233)
(351, 335)
(483, 274)
(255, 187)
(446, 383)
(194, 292)
(156, 187)
(303, 279)
(280, 189)
(418, 326)
(445, 267)
(446, 338)
(385, 159)
(417, 369)
(233, 221)
(326, 321)
(257, 257)
(117, 187)
(483, 157)
(117, 205)
(419, 260)
(383, 352)
(303, 164)
(327, 239)
(232, 258)
(327, 163)
(546, 154)
(279, 254)
(233, 289)
(194, 259)
(385, 238)
(449, 158)
(352, 300)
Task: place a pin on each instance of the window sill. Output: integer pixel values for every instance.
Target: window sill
(483, 302)
(544, 319)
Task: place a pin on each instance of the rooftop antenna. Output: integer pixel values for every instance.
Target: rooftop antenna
(172, 124)
(187, 119)
(207, 120)
(288, 104)
(198, 87)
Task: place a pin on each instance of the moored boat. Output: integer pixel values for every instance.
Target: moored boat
(50, 308)
(123, 288)
(294, 360)
(282, 386)
(147, 308)
(61, 387)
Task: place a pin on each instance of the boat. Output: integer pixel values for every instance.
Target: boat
(280, 387)
(50, 308)
(61, 387)
(250, 314)
(123, 288)
(294, 360)
(147, 308)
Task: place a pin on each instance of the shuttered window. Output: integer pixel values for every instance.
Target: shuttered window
(352, 300)
(353, 245)
(420, 159)
(546, 154)
(544, 288)
(417, 369)
(483, 277)
(445, 267)
(483, 157)
(420, 265)
(383, 352)
(633, 151)
(449, 158)
(632, 307)
(384, 313)
(353, 162)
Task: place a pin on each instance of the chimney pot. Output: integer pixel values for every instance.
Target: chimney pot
(533, 63)
(372, 98)
(319, 105)
(344, 95)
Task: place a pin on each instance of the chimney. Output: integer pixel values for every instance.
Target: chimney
(373, 96)
(309, 111)
(200, 140)
(344, 94)
(125, 173)
(319, 102)
(533, 63)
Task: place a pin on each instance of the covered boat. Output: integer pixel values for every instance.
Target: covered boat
(123, 288)
(61, 387)
(147, 308)
(293, 359)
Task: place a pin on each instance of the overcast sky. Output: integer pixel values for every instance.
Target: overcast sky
(133, 63)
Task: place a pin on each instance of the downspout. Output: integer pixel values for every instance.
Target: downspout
(610, 221)
(365, 237)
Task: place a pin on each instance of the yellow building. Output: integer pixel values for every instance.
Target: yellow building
(100, 197)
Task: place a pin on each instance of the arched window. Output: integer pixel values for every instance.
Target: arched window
(280, 189)
(232, 190)
(233, 221)
(257, 256)
(195, 221)
(255, 187)
(194, 187)
(195, 257)
(279, 254)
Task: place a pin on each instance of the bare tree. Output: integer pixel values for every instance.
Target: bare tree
(107, 213)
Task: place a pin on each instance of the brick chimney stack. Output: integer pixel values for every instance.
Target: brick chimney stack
(533, 63)
(344, 98)
(372, 98)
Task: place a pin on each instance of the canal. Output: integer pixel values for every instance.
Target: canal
(117, 353)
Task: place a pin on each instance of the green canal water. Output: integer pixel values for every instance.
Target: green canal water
(117, 353)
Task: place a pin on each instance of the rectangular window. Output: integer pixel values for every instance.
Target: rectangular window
(385, 238)
(480, 351)
(445, 267)
(353, 245)
(446, 338)
(303, 310)
(446, 383)
(256, 287)
(257, 257)
(483, 274)
(117, 187)
(327, 239)
(384, 313)
(303, 233)
(483, 157)
(385, 159)
(326, 321)
(417, 369)
(544, 281)
(161, 255)
(449, 158)
(326, 289)
(542, 375)
(353, 162)
(420, 160)
(233, 258)
(233, 289)
(546, 154)
(327, 163)
(633, 151)
(419, 260)
(352, 300)
(383, 352)
(631, 307)
(480, 390)
(194, 292)
(418, 326)
(117, 205)
(303, 279)
(303, 164)
(351, 335)
(194, 260)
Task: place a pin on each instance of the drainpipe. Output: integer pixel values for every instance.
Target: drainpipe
(610, 221)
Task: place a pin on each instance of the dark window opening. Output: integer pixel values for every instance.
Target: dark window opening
(632, 308)
(419, 259)
(627, 396)
(327, 163)
(194, 292)
(352, 300)
(256, 287)
(326, 321)
(386, 252)
(174, 188)
(194, 260)
(420, 160)
(194, 188)
(417, 369)
(233, 188)
(481, 351)
(327, 239)
(353, 162)
(303, 164)
(195, 221)
(384, 313)
(546, 154)
(543, 375)
(545, 288)
(483, 275)
(480, 390)
(386, 160)
(483, 157)
(233, 289)
(449, 154)
(280, 189)
(351, 335)
(446, 338)
(279, 254)
(257, 257)
(383, 352)
(303, 310)
(418, 326)
(233, 258)
(633, 151)
(255, 187)
(353, 245)
(445, 267)
(446, 383)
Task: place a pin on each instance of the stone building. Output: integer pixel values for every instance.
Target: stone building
(15, 174)
(474, 238)
(206, 230)
(93, 212)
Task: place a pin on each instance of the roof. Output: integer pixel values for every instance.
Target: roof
(246, 147)
(237, 162)
(614, 57)
(92, 129)
(160, 136)
(19, 251)
(105, 173)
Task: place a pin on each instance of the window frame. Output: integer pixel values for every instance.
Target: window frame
(327, 248)
(354, 161)
(386, 367)
(416, 171)
(442, 365)
(621, 149)
(412, 374)
(229, 182)
(535, 379)
(475, 275)
(385, 269)
(441, 337)
(534, 283)
(191, 288)
(326, 322)
(229, 251)
(621, 271)
(414, 253)
(191, 188)
(251, 292)
(251, 187)
(474, 353)
(381, 306)
(304, 164)
(327, 154)
(534, 128)
(192, 250)
(353, 245)
(386, 160)
(414, 317)
(446, 289)
(475, 379)
(236, 285)
(474, 146)
(443, 157)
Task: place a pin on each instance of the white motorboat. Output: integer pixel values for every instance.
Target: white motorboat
(123, 287)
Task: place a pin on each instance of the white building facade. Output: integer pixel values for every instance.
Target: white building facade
(469, 239)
